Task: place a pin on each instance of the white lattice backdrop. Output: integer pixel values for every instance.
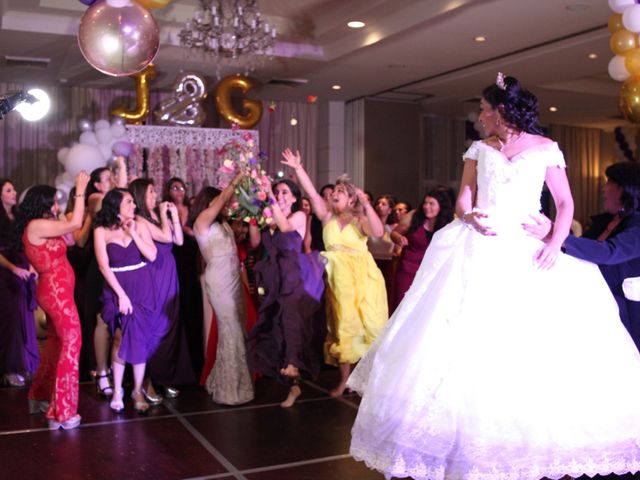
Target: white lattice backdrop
(189, 153)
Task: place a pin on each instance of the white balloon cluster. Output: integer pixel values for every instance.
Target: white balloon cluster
(624, 26)
(95, 148)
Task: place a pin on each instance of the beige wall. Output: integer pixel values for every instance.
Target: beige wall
(392, 149)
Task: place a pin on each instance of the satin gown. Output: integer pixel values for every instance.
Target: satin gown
(491, 368)
(356, 296)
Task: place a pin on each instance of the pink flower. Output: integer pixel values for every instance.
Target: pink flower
(254, 174)
(267, 213)
(234, 206)
(261, 196)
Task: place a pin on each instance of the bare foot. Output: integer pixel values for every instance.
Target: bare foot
(294, 393)
(338, 391)
(291, 371)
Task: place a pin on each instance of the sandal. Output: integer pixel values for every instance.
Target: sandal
(139, 404)
(117, 405)
(103, 384)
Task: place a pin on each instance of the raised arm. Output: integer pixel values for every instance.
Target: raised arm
(46, 228)
(176, 224)
(121, 172)
(100, 248)
(398, 235)
(160, 233)
(317, 202)
(370, 222)
(140, 234)
(208, 215)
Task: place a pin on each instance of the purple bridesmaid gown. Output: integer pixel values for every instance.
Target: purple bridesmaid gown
(170, 363)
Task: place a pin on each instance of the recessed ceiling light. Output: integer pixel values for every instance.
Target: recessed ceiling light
(592, 56)
(356, 24)
(480, 38)
(336, 87)
(553, 109)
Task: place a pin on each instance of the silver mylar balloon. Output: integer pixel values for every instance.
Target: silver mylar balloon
(118, 41)
(184, 108)
(84, 125)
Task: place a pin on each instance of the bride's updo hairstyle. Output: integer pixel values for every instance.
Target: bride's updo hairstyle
(518, 106)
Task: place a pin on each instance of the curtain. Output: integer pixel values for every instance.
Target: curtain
(354, 141)
(443, 145)
(277, 133)
(585, 167)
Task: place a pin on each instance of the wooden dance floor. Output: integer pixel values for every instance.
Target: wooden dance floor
(189, 437)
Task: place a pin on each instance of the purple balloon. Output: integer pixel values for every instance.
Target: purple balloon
(88, 3)
(122, 148)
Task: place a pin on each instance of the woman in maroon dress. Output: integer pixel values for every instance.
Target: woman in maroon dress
(414, 234)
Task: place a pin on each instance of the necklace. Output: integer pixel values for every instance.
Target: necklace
(509, 141)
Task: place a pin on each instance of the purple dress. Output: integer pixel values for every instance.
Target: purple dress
(18, 343)
(170, 363)
(291, 328)
(135, 277)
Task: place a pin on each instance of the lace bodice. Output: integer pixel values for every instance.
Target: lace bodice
(219, 242)
(510, 188)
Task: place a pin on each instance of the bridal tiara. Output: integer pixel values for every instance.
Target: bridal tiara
(500, 81)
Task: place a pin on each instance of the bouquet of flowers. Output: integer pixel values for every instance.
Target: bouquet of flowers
(251, 201)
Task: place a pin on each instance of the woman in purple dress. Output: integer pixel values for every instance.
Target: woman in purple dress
(18, 343)
(414, 234)
(170, 364)
(123, 249)
(286, 343)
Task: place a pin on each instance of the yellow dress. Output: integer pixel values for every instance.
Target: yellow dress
(356, 295)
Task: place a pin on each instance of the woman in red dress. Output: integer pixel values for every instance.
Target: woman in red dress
(55, 385)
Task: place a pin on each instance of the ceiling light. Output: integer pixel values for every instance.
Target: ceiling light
(592, 56)
(336, 87)
(293, 122)
(480, 38)
(553, 109)
(33, 111)
(356, 24)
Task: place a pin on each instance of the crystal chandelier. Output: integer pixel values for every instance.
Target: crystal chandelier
(229, 29)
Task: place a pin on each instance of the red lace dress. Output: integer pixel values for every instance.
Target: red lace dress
(56, 379)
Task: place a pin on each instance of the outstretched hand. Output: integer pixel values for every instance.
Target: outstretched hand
(362, 197)
(291, 159)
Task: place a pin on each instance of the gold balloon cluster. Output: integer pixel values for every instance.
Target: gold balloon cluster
(185, 108)
(625, 66)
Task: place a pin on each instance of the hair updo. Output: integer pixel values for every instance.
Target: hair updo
(518, 106)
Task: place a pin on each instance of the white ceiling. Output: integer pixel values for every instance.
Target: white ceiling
(411, 50)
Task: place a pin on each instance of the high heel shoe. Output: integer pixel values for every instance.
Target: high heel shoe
(171, 392)
(38, 406)
(13, 380)
(117, 405)
(152, 398)
(73, 422)
(139, 404)
(103, 385)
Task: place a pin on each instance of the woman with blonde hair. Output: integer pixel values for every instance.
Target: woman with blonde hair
(356, 296)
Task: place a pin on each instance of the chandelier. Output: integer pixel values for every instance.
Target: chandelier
(229, 29)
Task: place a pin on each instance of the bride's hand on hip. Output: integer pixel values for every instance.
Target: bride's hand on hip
(476, 220)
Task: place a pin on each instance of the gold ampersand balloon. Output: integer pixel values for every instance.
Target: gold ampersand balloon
(630, 99)
(137, 115)
(184, 107)
(223, 101)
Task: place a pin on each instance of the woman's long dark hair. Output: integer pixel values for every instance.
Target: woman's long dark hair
(518, 106)
(138, 189)
(445, 215)
(166, 197)
(109, 214)
(201, 202)
(627, 176)
(391, 218)
(295, 191)
(6, 224)
(37, 203)
(95, 178)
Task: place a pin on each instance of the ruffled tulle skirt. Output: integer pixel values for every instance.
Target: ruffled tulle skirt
(493, 369)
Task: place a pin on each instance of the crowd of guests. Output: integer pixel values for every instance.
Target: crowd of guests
(176, 287)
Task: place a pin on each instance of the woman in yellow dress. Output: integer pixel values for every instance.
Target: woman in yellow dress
(355, 294)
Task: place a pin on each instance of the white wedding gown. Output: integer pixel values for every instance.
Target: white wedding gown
(493, 369)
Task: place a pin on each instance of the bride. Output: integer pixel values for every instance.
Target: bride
(506, 358)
